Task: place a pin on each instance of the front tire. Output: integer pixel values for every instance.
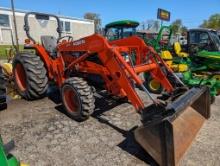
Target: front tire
(78, 98)
(30, 76)
(152, 85)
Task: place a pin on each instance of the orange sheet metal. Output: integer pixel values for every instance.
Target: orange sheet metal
(145, 68)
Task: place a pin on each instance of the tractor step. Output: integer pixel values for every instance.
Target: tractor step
(167, 132)
(3, 104)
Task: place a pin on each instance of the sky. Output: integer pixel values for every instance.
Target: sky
(192, 12)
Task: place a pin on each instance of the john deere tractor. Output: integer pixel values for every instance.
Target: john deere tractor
(203, 46)
(7, 159)
(202, 57)
(120, 29)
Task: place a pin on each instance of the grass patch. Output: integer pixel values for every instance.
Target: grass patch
(4, 50)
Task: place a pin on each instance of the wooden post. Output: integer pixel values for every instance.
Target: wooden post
(15, 26)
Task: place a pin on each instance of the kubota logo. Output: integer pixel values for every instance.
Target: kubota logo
(79, 42)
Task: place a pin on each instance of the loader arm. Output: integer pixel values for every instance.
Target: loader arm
(146, 54)
(112, 60)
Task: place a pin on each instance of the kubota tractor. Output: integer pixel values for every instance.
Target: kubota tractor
(78, 67)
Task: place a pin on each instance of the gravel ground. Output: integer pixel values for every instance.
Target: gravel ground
(45, 136)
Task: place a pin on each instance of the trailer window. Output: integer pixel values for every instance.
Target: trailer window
(4, 20)
(65, 25)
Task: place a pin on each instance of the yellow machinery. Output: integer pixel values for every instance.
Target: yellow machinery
(7, 68)
(178, 50)
(168, 58)
(7, 71)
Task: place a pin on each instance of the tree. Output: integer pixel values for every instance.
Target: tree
(183, 29)
(213, 22)
(96, 18)
(176, 25)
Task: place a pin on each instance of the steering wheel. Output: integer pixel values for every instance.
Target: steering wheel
(61, 39)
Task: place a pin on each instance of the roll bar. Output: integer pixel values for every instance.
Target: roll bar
(40, 16)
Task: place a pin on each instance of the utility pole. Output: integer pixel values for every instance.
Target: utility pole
(15, 26)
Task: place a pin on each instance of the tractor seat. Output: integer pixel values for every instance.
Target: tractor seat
(167, 57)
(50, 45)
(178, 50)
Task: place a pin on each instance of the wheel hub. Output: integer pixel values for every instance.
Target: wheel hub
(20, 77)
(70, 99)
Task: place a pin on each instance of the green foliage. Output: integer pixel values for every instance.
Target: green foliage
(184, 29)
(213, 22)
(4, 50)
(96, 18)
(176, 25)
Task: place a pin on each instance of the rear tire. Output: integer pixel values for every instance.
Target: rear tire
(78, 98)
(30, 76)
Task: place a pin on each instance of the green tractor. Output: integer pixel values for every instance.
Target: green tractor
(160, 41)
(202, 57)
(203, 48)
(203, 45)
(6, 159)
(120, 29)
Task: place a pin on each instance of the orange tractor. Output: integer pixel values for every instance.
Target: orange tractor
(78, 67)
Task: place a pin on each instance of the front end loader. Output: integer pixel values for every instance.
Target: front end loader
(79, 67)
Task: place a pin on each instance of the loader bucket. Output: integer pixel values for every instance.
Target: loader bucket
(167, 139)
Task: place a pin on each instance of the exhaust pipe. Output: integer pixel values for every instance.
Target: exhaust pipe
(167, 132)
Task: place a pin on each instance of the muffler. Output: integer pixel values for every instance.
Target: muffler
(167, 132)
